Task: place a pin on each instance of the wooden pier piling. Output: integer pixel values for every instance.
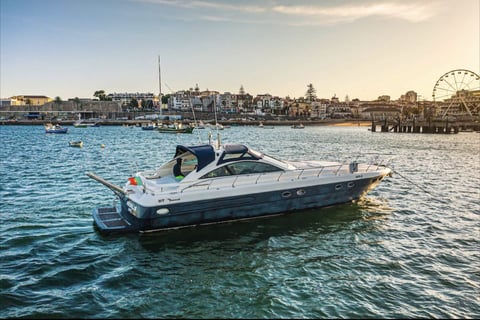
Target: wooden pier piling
(443, 126)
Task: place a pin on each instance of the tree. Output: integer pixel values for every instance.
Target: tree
(165, 98)
(133, 104)
(58, 100)
(76, 101)
(149, 105)
(311, 94)
(100, 94)
(143, 103)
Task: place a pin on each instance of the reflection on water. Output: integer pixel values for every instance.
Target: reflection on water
(314, 220)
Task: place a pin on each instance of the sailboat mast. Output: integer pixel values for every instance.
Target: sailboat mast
(159, 84)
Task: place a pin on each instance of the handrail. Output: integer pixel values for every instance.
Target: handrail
(320, 172)
(336, 170)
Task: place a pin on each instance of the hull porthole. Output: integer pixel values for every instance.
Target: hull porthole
(301, 192)
(338, 187)
(286, 194)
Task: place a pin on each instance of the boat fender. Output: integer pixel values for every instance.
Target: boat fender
(162, 211)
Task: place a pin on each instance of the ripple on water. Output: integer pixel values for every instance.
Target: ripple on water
(407, 250)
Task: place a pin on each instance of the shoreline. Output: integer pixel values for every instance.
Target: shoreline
(339, 123)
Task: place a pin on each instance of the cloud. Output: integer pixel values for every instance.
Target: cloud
(299, 14)
(210, 5)
(413, 12)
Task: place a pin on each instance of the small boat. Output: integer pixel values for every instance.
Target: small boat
(150, 126)
(216, 126)
(78, 144)
(81, 124)
(214, 183)
(51, 128)
(298, 126)
(261, 125)
(200, 125)
(175, 128)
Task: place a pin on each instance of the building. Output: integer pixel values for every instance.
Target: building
(125, 97)
(409, 97)
(32, 100)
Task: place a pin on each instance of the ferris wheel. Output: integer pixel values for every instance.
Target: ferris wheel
(455, 89)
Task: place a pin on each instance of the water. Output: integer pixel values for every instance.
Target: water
(410, 249)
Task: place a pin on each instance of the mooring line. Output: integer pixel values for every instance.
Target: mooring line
(415, 184)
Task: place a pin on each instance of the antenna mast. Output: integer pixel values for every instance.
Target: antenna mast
(160, 84)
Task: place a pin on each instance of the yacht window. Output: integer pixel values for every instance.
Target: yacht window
(219, 172)
(242, 167)
(248, 167)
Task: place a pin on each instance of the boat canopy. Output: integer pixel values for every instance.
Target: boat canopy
(238, 152)
(204, 153)
(235, 148)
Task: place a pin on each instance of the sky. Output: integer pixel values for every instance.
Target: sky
(357, 48)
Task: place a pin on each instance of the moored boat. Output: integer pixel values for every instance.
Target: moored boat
(219, 183)
(150, 126)
(261, 125)
(298, 126)
(175, 128)
(51, 128)
(81, 124)
(78, 144)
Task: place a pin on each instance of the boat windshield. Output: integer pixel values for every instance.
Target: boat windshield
(189, 163)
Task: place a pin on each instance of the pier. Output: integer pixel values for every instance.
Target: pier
(444, 126)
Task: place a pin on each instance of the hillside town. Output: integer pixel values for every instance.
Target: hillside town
(135, 105)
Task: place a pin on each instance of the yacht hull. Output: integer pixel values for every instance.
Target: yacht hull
(129, 216)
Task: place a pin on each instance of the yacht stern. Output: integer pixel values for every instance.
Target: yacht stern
(108, 220)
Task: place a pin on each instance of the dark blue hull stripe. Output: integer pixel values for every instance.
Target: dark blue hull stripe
(233, 208)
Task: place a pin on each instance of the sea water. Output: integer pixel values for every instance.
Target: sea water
(409, 249)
